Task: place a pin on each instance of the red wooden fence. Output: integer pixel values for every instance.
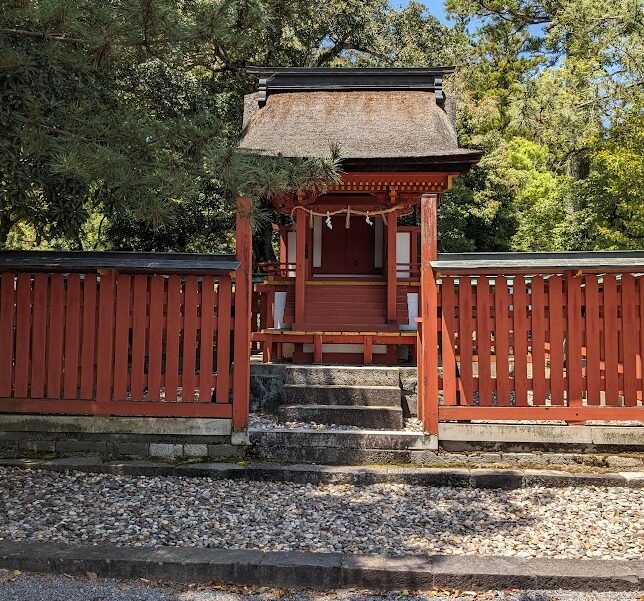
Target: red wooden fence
(563, 346)
(116, 343)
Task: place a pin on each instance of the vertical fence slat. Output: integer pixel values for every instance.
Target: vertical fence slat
(189, 339)
(156, 337)
(172, 339)
(465, 339)
(629, 339)
(538, 329)
(224, 299)
(574, 340)
(556, 327)
(640, 285)
(39, 336)
(610, 340)
(7, 308)
(23, 335)
(139, 326)
(483, 340)
(72, 337)
(593, 365)
(105, 336)
(447, 340)
(206, 342)
(88, 346)
(122, 337)
(55, 338)
(520, 340)
(501, 340)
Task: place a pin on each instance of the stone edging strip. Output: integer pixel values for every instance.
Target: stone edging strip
(322, 474)
(323, 570)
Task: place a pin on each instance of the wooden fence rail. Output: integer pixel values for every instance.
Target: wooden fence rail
(148, 336)
(564, 346)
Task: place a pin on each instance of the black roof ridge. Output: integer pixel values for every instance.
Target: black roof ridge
(280, 80)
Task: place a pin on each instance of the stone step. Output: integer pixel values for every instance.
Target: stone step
(341, 375)
(373, 417)
(341, 394)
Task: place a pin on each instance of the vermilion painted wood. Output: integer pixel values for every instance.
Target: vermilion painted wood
(610, 339)
(300, 266)
(317, 349)
(55, 336)
(88, 337)
(538, 329)
(593, 368)
(630, 339)
(23, 335)
(189, 339)
(105, 408)
(465, 340)
(368, 350)
(542, 413)
(157, 326)
(173, 321)
(72, 337)
(243, 291)
(428, 301)
(641, 330)
(502, 340)
(520, 340)
(122, 337)
(224, 296)
(574, 340)
(7, 316)
(105, 336)
(392, 229)
(557, 328)
(483, 340)
(448, 341)
(39, 335)
(206, 340)
(139, 327)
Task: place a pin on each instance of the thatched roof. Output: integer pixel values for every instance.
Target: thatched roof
(371, 126)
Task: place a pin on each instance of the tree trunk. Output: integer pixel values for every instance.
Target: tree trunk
(263, 244)
(6, 223)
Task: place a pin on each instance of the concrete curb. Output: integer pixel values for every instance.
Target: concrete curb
(328, 474)
(324, 570)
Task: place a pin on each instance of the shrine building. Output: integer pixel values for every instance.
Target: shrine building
(346, 288)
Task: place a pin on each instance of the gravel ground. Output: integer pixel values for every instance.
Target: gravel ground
(269, 422)
(28, 587)
(396, 519)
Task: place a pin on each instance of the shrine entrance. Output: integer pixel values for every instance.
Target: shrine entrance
(340, 251)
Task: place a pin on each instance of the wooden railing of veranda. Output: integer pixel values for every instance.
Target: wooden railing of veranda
(138, 334)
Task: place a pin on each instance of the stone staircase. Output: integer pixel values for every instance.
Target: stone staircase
(366, 397)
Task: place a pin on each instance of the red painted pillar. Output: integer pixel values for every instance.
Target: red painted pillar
(300, 266)
(243, 290)
(392, 230)
(428, 351)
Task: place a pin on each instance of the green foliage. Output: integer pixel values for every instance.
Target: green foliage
(119, 120)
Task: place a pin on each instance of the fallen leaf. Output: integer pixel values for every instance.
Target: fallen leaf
(91, 575)
(11, 577)
(261, 589)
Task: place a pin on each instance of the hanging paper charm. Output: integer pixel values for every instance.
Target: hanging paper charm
(328, 221)
(368, 219)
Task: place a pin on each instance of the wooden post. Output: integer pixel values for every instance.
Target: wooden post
(243, 290)
(300, 266)
(392, 230)
(428, 352)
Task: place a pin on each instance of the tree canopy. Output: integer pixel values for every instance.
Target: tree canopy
(118, 120)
